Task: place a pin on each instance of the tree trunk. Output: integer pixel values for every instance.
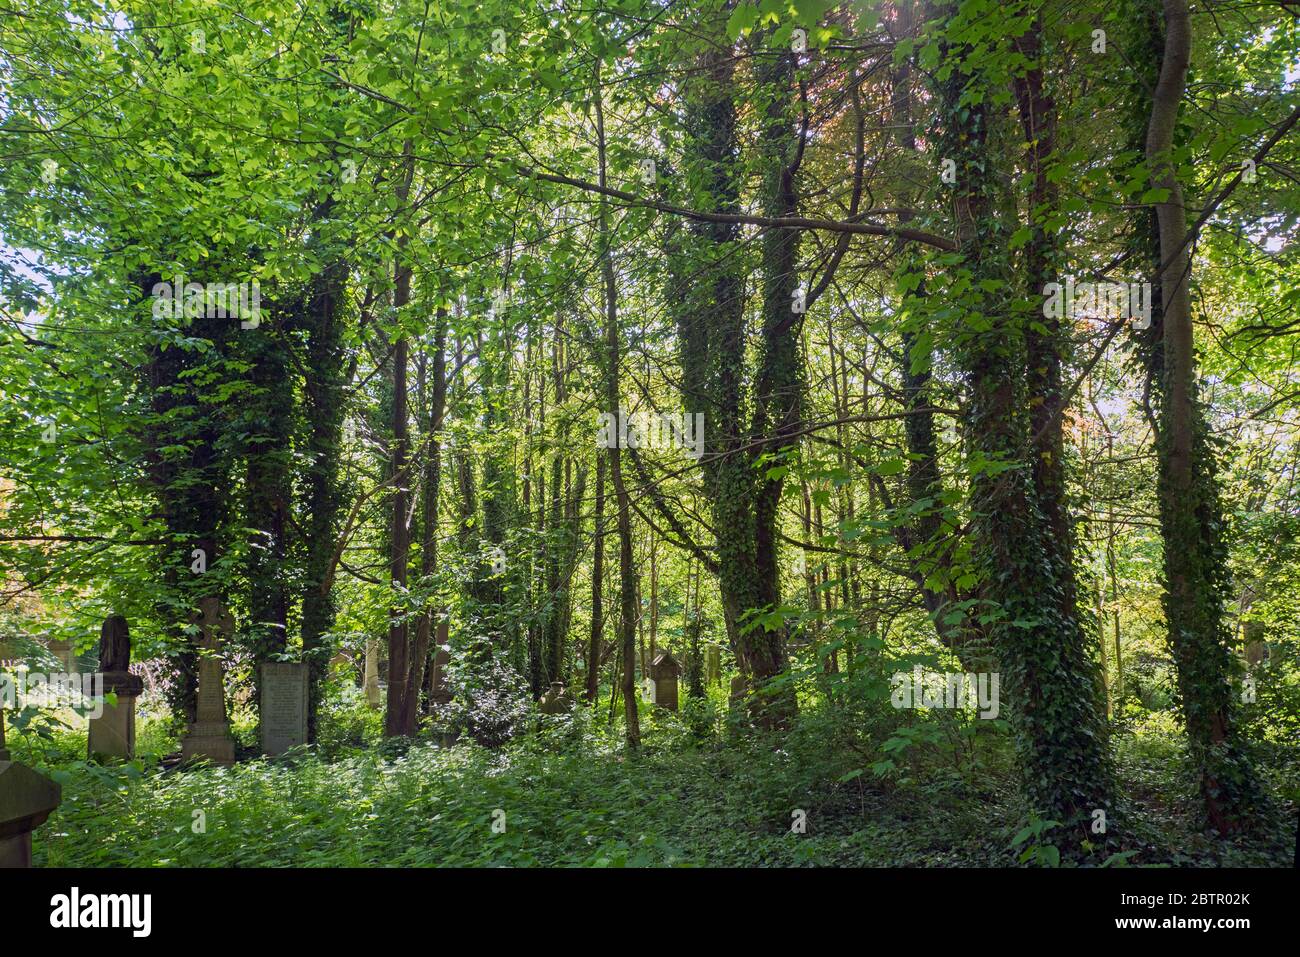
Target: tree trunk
(1195, 558)
(626, 569)
(597, 587)
(399, 530)
(323, 407)
(1052, 702)
(432, 480)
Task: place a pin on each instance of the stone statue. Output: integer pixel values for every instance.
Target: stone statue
(114, 645)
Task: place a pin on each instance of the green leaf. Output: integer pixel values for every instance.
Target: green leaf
(741, 20)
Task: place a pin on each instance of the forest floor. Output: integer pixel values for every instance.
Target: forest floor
(568, 794)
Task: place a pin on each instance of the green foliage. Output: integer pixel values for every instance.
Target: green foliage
(571, 798)
(872, 494)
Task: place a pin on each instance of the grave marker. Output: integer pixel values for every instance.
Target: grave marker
(737, 689)
(66, 654)
(556, 700)
(713, 667)
(26, 800)
(284, 706)
(112, 734)
(371, 685)
(209, 735)
(664, 671)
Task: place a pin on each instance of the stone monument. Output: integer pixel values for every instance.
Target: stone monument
(26, 800)
(664, 671)
(112, 734)
(371, 686)
(737, 689)
(713, 666)
(209, 735)
(1256, 647)
(284, 706)
(66, 654)
(556, 700)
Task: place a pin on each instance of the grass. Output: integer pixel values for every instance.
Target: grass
(569, 795)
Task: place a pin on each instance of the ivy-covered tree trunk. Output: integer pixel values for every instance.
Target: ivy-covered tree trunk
(923, 538)
(268, 489)
(709, 302)
(1044, 337)
(188, 472)
(1191, 516)
(323, 409)
(778, 399)
(1051, 700)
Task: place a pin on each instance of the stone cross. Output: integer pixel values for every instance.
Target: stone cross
(209, 735)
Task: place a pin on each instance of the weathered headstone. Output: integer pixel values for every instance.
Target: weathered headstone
(371, 686)
(664, 670)
(1256, 647)
(209, 735)
(648, 689)
(440, 693)
(284, 706)
(112, 734)
(26, 800)
(63, 650)
(556, 700)
(713, 665)
(737, 689)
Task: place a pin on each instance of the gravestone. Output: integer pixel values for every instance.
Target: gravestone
(209, 735)
(26, 800)
(1256, 647)
(112, 734)
(371, 685)
(664, 671)
(556, 700)
(440, 693)
(648, 689)
(713, 665)
(737, 689)
(63, 650)
(284, 706)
